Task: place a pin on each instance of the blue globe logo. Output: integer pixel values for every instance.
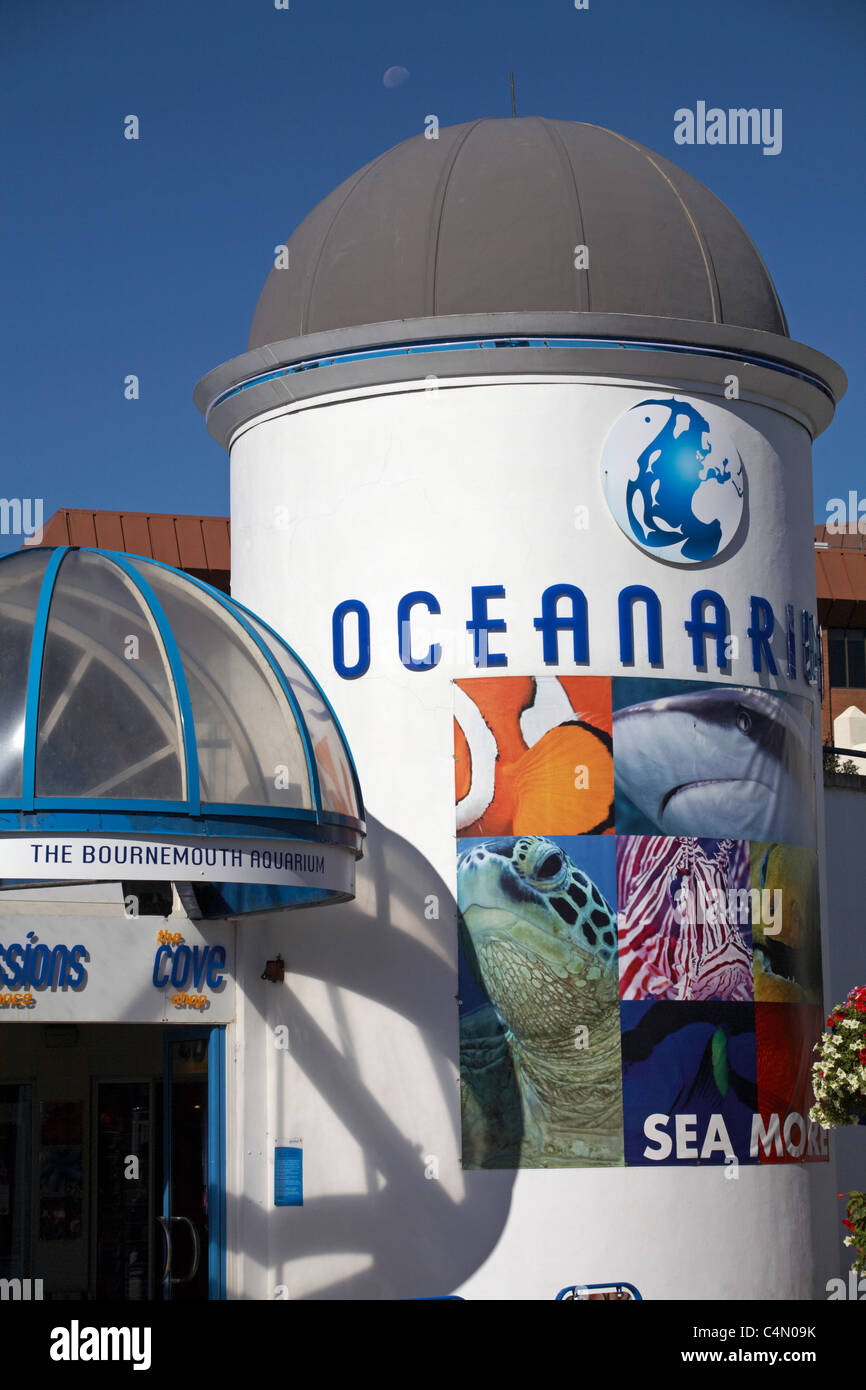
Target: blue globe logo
(673, 483)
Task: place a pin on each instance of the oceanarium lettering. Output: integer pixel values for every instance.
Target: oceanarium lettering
(564, 615)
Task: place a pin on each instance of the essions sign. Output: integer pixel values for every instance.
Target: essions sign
(86, 858)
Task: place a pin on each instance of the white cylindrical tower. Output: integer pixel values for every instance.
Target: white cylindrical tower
(520, 457)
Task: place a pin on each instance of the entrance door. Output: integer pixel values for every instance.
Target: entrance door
(127, 1148)
(192, 1221)
(108, 1132)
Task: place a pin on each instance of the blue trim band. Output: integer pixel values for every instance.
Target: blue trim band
(254, 826)
(231, 901)
(167, 1038)
(34, 678)
(172, 651)
(216, 1145)
(172, 808)
(169, 812)
(411, 349)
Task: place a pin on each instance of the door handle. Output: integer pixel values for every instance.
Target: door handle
(166, 1273)
(196, 1252)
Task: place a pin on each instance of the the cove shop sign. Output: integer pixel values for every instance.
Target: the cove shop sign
(135, 970)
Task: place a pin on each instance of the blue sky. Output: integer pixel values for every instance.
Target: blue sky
(149, 256)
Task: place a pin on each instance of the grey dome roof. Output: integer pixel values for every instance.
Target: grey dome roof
(485, 220)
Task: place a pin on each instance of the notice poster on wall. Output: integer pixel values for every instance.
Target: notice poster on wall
(637, 887)
(289, 1174)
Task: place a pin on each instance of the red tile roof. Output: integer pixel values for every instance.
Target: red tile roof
(840, 575)
(200, 545)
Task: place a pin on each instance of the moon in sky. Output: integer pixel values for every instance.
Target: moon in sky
(395, 77)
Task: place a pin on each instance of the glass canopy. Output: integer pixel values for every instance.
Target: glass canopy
(134, 691)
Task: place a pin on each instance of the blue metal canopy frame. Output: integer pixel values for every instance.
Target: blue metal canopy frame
(31, 812)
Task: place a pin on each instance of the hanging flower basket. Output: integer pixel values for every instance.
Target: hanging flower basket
(856, 1226)
(839, 1075)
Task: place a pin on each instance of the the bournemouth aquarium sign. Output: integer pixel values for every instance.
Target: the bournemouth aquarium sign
(92, 856)
(636, 860)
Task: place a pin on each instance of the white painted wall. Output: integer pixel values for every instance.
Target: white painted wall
(397, 490)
